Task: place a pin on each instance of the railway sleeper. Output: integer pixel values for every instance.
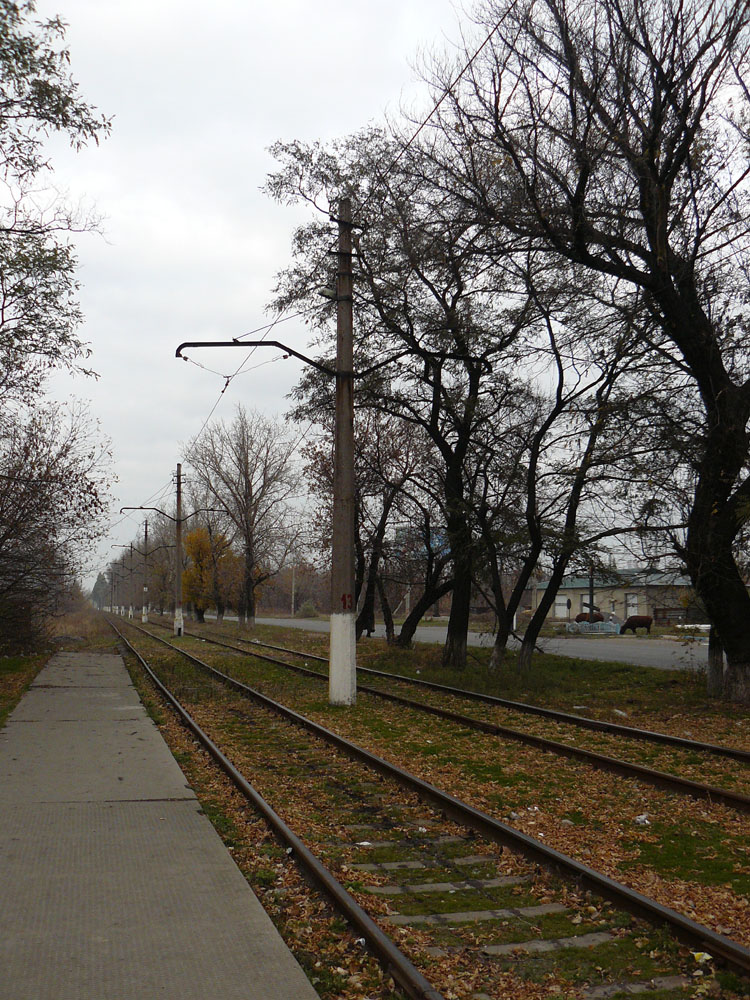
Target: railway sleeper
(489, 925)
(500, 925)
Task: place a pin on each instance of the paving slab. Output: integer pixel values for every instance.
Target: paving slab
(115, 885)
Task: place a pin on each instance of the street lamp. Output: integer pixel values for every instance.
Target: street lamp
(112, 587)
(145, 553)
(178, 521)
(342, 671)
(130, 576)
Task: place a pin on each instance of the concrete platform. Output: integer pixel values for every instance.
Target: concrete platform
(114, 885)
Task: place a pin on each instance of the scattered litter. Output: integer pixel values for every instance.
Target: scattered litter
(362, 942)
(567, 822)
(364, 843)
(290, 850)
(617, 711)
(533, 809)
(701, 957)
(579, 706)
(515, 815)
(643, 820)
(422, 829)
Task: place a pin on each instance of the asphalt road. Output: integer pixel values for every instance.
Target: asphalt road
(644, 651)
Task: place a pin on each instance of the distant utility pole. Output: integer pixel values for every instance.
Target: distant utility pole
(144, 613)
(131, 593)
(178, 623)
(342, 685)
(178, 620)
(342, 675)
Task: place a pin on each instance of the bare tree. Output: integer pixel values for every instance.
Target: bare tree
(612, 134)
(248, 468)
(38, 311)
(443, 312)
(52, 503)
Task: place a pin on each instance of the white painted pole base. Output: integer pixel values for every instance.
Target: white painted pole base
(342, 671)
(178, 622)
(144, 614)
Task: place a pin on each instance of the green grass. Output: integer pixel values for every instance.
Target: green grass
(16, 676)
(461, 900)
(696, 855)
(220, 820)
(622, 959)
(414, 876)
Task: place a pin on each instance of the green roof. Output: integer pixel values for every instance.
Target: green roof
(625, 578)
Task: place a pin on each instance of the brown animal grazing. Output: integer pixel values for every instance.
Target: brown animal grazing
(584, 617)
(637, 621)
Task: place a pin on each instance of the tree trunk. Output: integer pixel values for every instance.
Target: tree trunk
(500, 644)
(459, 534)
(534, 627)
(366, 617)
(710, 561)
(417, 613)
(719, 507)
(715, 676)
(737, 682)
(454, 651)
(386, 609)
(200, 615)
(249, 587)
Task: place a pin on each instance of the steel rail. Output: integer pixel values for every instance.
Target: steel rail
(581, 721)
(395, 963)
(660, 779)
(689, 931)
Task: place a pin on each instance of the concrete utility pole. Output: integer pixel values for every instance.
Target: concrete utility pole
(131, 595)
(178, 619)
(178, 623)
(342, 676)
(144, 613)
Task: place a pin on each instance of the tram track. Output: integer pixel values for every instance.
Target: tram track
(580, 721)
(622, 768)
(414, 984)
(696, 935)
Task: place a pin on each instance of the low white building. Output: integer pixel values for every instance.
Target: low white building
(666, 595)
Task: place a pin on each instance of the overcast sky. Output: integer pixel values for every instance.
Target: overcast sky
(190, 244)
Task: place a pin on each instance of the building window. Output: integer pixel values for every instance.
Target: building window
(631, 605)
